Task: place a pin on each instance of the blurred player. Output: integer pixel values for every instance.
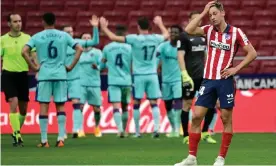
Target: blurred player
(117, 57)
(51, 46)
(171, 79)
(73, 77)
(223, 41)
(15, 75)
(144, 66)
(194, 62)
(90, 81)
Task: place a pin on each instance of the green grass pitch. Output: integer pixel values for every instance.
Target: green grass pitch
(246, 149)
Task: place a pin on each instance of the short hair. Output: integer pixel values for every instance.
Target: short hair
(49, 18)
(84, 34)
(193, 13)
(144, 23)
(9, 16)
(65, 26)
(120, 30)
(177, 27)
(218, 5)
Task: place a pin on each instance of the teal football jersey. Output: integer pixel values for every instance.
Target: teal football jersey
(74, 74)
(118, 56)
(170, 67)
(143, 48)
(51, 47)
(88, 75)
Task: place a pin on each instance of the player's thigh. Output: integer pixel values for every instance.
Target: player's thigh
(139, 87)
(207, 94)
(114, 94)
(23, 87)
(8, 84)
(44, 91)
(177, 90)
(226, 90)
(167, 91)
(74, 89)
(60, 91)
(94, 96)
(152, 87)
(126, 95)
(83, 94)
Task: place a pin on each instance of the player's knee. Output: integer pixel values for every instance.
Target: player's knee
(124, 107)
(75, 101)
(177, 104)
(13, 102)
(97, 109)
(153, 102)
(187, 105)
(136, 101)
(196, 118)
(226, 118)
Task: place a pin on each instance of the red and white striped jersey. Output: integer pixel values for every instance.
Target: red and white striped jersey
(221, 49)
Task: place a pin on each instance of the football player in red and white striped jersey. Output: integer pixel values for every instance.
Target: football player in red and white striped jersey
(223, 41)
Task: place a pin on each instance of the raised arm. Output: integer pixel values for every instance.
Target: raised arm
(158, 21)
(111, 35)
(192, 28)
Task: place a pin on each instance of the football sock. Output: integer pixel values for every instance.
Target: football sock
(136, 116)
(208, 119)
(194, 139)
(225, 143)
(43, 124)
(61, 125)
(213, 122)
(178, 112)
(81, 122)
(14, 121)
(97, 118)
(156, 117)
(171, 117)
(185, 122)
(21, 119)
(125, 119)
(118, 119)
(76, 117)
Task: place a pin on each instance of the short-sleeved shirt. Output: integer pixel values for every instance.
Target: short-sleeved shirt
(51, 47)
(143, 48)
(119, 58)
(88, 75)
(170, 68)
(221, 49)
(11, 48)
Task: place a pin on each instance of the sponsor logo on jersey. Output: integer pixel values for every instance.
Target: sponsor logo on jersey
(220, 45)
(198, 48)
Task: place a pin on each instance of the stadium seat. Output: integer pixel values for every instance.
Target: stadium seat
(273, 34)
(83, 26)
(231, 5)
(252, 5)
(274, 53)
(267, 67)
(85, 16)
(150, 5)
(266, 24)
(134, 15)
(34, 26)
(264, 14)
(52, 5)
(115, 15)
(271, 4)
(255, 43)
(257, 34)
(34, 15)
(166, 15)
(252, 68)
(7, 5)
(4, 28)
(176, 5)
(243, 24)
(127, 6)
(198, 5)
(100, 6)
(30, 5)
(268, 44)
(112, 24)
(73, 5)
(61, 23)
(264, 52)
(65, 16)
(245, 15)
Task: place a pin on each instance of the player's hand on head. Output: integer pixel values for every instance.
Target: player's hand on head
(103, 22)
(157, 20)
(208, 6)
(94, 21)
(229, 72)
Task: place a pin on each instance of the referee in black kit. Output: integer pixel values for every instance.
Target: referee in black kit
(194, 61)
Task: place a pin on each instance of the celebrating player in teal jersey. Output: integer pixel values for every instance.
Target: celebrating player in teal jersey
(73, 77)
(144, 65)
(90, 81)
(171, 79)
(118, 61)
(51, 46)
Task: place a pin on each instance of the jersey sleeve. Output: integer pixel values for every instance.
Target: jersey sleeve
(70, 41)
(183, 44)
(31, 43)
(105, 52)
(205, 28)
(160, 38)
(131, 39)
(241, 38)
(158, 51)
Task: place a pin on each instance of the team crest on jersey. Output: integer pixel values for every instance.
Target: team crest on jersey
(220, 45)
(227, 36)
